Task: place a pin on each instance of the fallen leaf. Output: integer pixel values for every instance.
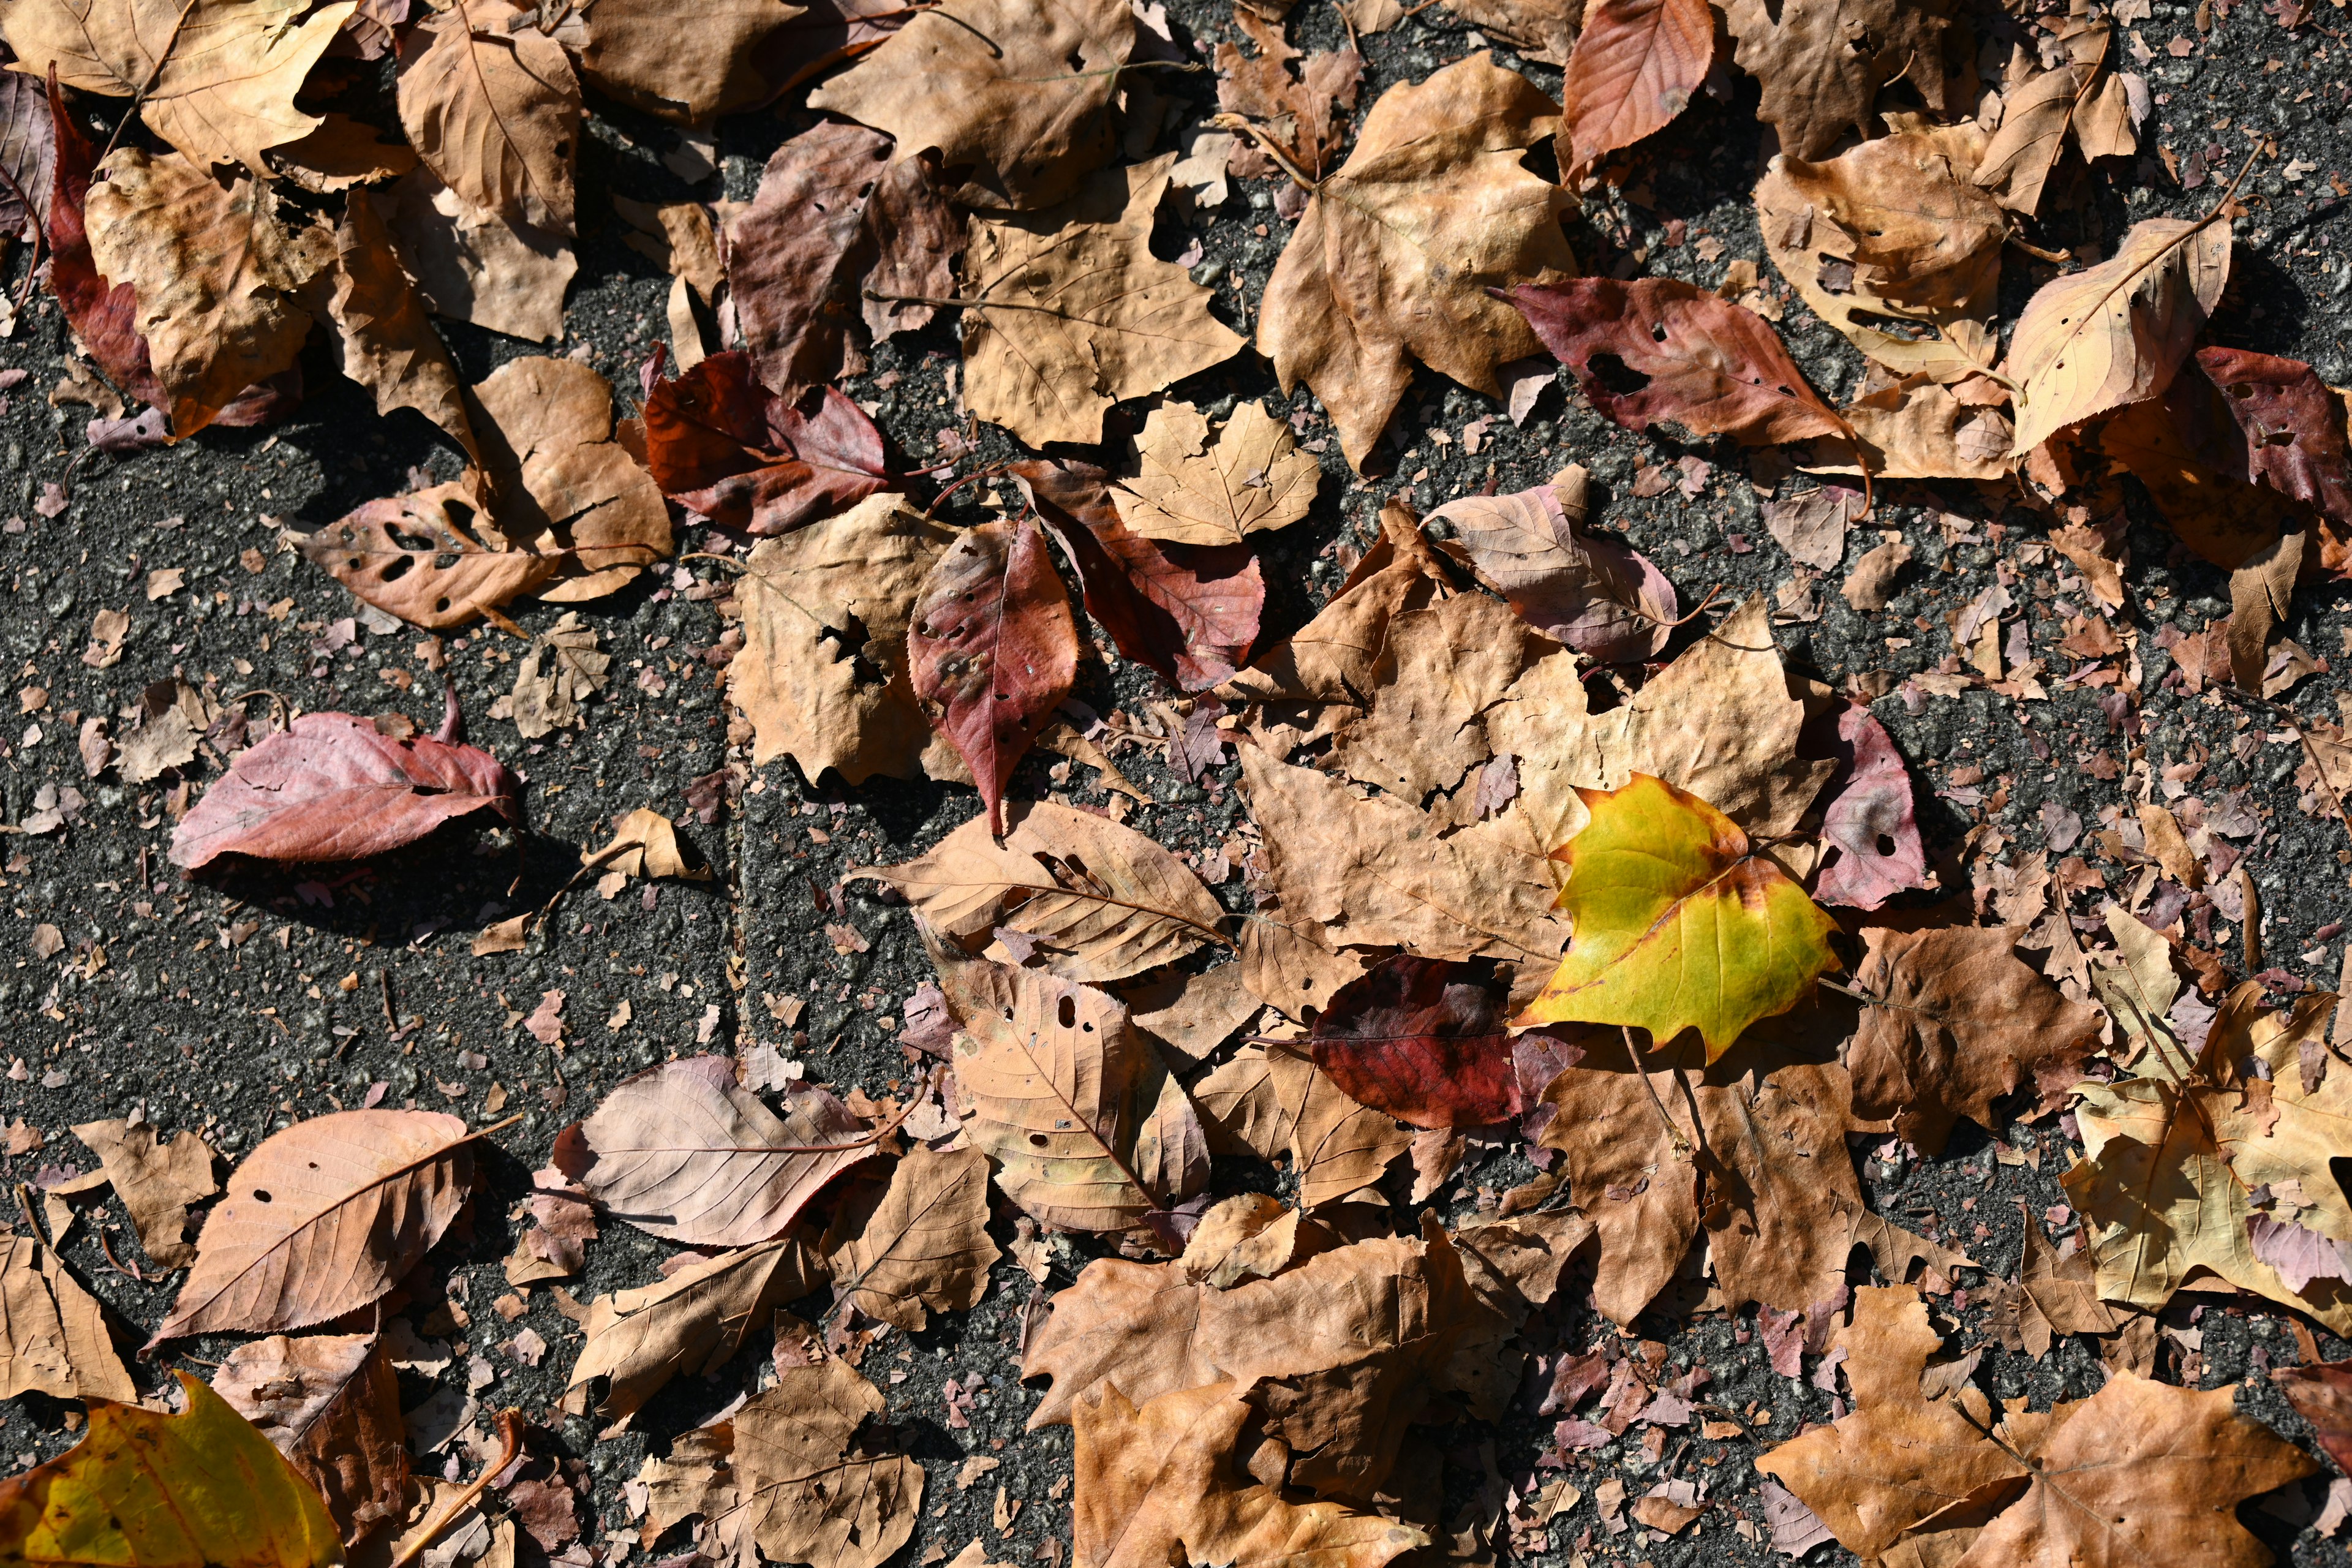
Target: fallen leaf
(1710, 366)
(2116, 332)
(475, 266)
(1869, 818)
(921, 1242)
(830, 221)
(2321, 1394)
(1271, 1103)
(2036, 118)
(102, 312)
(1422, 1040)
(1636, 64)
(1103, 901)
(1361, 293)
(420, 556)
(1068, 311)
(28, 154)
(2056, 1295)
(1016, 94)
(54, 1338)
(1195, 487)
(1300, 106)
(692, 1322)
(1915, 429)
(1595, 593)
(2293, 431)
(563, 670)
(994, 649)
(823, 675)
(1680, 923)
(721, 444)
(683, 1152)
(1870, 585)
(341, 153)
(560, 482)
(1812, 527)
(331, 1403)
(1821, 62)
(1087, 1128)
(632, 53)
(191, 1490)
(491, 104)
(376, 326)
(157, 1182)
(1439, 672)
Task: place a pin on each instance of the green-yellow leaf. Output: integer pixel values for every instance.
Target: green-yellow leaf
(200, 1490)
(1678, 922)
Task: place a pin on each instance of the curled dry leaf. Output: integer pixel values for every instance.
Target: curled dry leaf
(1360, 291)
(1869, 818)
(692, 1322)
(2036, 117)
(1710, 366)
(341, 153)
(2116, 332)
(1102, 900)
(491, 105)
(560, 482)
(1013, 94)
(1422, 1040)
(632, 52)
(335, 787)
(1822, 62)
(54, 1338)
(683, 1152)
(1302, 106)
(1598, 596)
(1195, 487)
(994, 649)
(721, 444)
(1636, 64)
(157, 1182)
(191, 1490)
(919, 1242)
(1270, 1101)
(823, 675)
(377, 329)
(420, 556)
(330, 1403)
(1086, 1124)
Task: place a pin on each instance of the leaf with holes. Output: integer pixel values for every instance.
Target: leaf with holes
(417, 556)
(1869, 818)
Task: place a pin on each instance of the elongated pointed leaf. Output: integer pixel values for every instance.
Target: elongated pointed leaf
(1636, 64)
(691, 1323)
(919, 1243)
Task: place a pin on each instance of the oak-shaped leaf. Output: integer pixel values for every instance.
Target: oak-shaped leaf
(330, 1403)
(491, 105)
(1597, 594)
(1869, 817)
(192, 1490)
(1636, 64)
(691, 1323)
(1199, 486)
(1709, 366)
(684, 1153)
(1394, 257)
(1084, 1123)
(994, 649)
(1822, 62)
(333, 786)
(1422, 1040)
(1273, 1102)
(54, 1338)
(1680, 922)
(918, 1242)
(720, 443)
(1102, 900)
(322, 1219)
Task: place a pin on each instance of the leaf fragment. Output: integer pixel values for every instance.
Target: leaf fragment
(919, 1242)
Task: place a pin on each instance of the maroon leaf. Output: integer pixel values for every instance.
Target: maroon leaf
(2294, 428)
(834, 217)
(1870, 819)
(1422, 1040)
(102, 318)
(2321, 1394)
(1190, 612)
(720, 442)
(334, 787)
(1659, 349)
(994, 648)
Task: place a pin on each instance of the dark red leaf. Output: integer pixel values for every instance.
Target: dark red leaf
(2187, 449)
(2294, 428)
(994, 648)
(1660, 349)
(1423, 1039)
(720, 442)
(102, 318)
(2321, 1394)
(1869, 818)
(335, 787)
(1190, 612)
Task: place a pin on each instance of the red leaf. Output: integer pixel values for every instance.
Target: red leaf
(2293, 430)
(1705, 363)
(100, 317)
(1870, 817)
(1423, 1039)
(334, 787)
(994, 648)
(2321, 1394)
(720, 442)
(1190, 612)
(1636, 64)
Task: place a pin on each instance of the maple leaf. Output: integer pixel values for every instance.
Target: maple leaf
(1394, 255)
(1016, 92)
(632, 52)
(721, 444)
(54, 1338)
(994, 649)
(167, 1492)
(921, 1242)
(1636, 64)
(491, 104)
(693, 1322)
(331, 786)
(1087, 1128)
(1422, 1040)
(1707, 365)
(1196, 489)
(1273, 1102)
(2184, 1164)
(1066, 312)
(216, 78)
(1821, 62)
(1304, 109)
(1438, 673)
(330, 1403)
(2116, 332)
(2051, 1296)
(216, 275)
(823, 673)
(1103, 901)
(1597, 594)
(1680, 923)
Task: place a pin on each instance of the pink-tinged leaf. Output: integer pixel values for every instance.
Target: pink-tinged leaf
(719, 442)
(1190, 612)
(1422, 1040)
(1660, 349)
(823, 34)
(28, 154)
(1636, 64)
(2299, 1256)
(334, 787)
(2321, 1394)
(1870, 817)
(2293, 423)
(1598, 596)
(994, 648)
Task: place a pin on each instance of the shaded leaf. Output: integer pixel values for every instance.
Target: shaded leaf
(559, 481)
(1869, 818)
(692, 1322)
(28, 154)
(919, 1242)
(331, 1403)
(378, 330)
(1821, 62)
(1597, 594)
(632, 52)
(722, 445)
(2294, 428)
(54, 1338)
(157, 1182)
(1273, 1102)
(1439, 672)
(1422, 1040)
(1636, 64)
(472, 265)
(2321, 1394)
(104, 313)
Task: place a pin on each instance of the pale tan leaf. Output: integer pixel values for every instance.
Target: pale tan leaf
(491, 104)
(341, 153)
(559, 481)
(806, 1493)
(475, 266)
(921, 1242)
(1271, 1102)
(391, 554)
(1438, 673)
(53, 1333)
(632, 52)
(1199, 488)
(377, 329)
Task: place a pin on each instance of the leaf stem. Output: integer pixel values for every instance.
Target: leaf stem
(945, 303)
(139, 99)
(1633, 1056)
(1265, 144)
(510, 1446)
